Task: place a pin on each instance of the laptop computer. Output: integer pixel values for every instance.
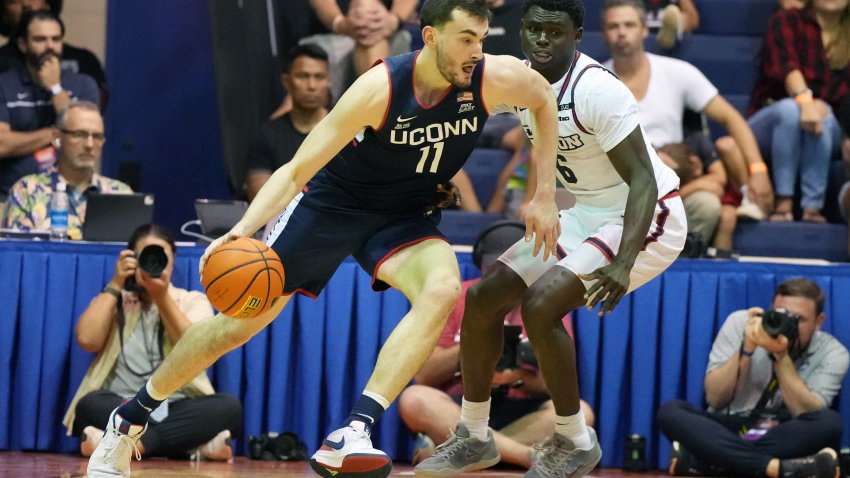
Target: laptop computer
(217, 216)
(113, 217)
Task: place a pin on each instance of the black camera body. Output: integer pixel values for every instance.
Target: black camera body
(152, 261)
(274, 446)
(781, 322)
(516, 352)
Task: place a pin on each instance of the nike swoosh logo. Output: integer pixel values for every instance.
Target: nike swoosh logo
(404, 120)
(146, 408)
(22, 96)
(336, 445)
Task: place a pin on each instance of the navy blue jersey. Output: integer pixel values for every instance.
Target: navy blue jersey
(396, 168)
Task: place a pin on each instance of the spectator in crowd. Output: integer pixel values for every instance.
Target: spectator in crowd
(306, 82)
(78, 139)
(671, 19)
(804, 75)
(522, 413)
(701, 187)
(74, 59)
(131, 325)
(665, 89)
(769, 393)
(356, 33)
(32, 95)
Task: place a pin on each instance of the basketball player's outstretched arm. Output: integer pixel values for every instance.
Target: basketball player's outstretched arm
(363, 104)
(631, 160)
(507, 81)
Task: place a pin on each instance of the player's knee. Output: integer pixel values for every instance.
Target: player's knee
(441, 295)
(537, 314)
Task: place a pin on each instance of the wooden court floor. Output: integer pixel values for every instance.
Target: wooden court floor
(49, 465)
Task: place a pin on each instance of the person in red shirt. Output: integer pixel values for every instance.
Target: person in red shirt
(522, 413)
(804, 76)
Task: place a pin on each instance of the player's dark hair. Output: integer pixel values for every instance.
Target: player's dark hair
(436, 13)
(802, 287)
(310, 50)
(573, 8)
(38, 15)
(154, 230)
(636, 4)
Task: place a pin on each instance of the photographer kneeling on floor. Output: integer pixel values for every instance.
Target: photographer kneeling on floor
(770, 381)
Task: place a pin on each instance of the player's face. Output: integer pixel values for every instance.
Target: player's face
(81, 140)
(805, 308)
(459, 46)
(624, 31)
(307, 82)
(548, 38)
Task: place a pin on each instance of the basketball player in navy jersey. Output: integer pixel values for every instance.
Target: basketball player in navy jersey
(405, 126)
(627, 226)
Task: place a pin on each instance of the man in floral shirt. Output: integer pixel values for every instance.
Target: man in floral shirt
(78, 140)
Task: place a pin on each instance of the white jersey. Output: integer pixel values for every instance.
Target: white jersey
(596, 111)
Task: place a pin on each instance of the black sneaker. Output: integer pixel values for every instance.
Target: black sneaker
(823, 464)
(684, 463)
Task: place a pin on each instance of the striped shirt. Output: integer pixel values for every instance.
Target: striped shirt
(821, 367)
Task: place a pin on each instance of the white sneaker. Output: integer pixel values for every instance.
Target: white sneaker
(748, 210)
(671, 27)
(217, 449)
(114, 452)
(348, 452)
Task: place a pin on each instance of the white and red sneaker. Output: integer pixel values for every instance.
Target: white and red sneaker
(117, 447)
(348, 453)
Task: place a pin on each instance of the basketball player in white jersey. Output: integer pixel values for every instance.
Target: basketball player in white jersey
(627, 226)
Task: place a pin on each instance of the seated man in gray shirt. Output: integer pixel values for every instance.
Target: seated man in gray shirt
(769, 396)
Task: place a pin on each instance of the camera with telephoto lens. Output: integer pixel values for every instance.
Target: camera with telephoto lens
(152, 261)
(516, 351)
(781, 322)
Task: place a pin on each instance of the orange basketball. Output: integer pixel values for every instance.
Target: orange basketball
(243, 278)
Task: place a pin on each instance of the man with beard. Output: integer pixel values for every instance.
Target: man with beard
(32, 95)
(627, 226)
(373, 166)
(78, 139)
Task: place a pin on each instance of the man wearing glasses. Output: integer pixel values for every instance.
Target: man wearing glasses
(31, 97)
(78, 139)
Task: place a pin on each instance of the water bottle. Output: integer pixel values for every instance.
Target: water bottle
(59, 212)
(635, 456)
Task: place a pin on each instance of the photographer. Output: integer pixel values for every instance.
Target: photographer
(770, 381)
(132, 325)
(522, 413)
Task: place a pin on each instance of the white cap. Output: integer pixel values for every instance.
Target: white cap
(61, 187)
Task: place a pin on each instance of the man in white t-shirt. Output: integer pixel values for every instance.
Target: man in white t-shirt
(664, 88)
(627, 226)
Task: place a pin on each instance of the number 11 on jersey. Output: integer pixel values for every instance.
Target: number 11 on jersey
(426, 153)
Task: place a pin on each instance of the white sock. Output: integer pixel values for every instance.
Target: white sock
(574, 428)
(475, 415)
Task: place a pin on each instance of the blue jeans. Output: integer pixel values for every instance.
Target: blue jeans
(794, 152)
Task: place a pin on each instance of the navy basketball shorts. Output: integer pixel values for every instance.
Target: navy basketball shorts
(312, 243)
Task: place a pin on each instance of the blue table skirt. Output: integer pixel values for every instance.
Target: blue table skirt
(305, 371)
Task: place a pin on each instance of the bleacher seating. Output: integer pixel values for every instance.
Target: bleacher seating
(792, 239)
(483, 167)
(462, 228)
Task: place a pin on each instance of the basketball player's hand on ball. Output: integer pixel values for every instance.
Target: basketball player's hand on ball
(230, 236)
(542, 224)
(125, 267)
(612, 283)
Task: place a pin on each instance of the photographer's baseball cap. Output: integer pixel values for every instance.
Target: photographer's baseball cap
(494, 240)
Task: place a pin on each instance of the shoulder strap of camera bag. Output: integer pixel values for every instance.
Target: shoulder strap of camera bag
(766, 396)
